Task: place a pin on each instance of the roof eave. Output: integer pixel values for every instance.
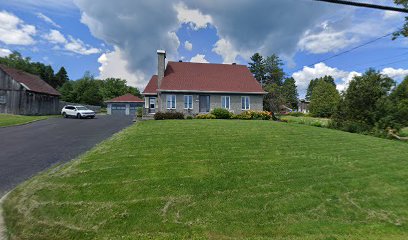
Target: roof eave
(205, 91)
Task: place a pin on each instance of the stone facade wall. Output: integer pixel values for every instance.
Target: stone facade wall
(256, 102)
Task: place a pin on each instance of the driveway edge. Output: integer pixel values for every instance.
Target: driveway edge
(21, 124)
(3, 228)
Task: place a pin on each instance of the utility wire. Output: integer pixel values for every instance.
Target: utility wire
(366, 5)
(347, 51)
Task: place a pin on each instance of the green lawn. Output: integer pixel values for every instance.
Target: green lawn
(10, 120)
(312, 121)
(220, 179)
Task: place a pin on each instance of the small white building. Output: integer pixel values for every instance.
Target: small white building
(124, 105)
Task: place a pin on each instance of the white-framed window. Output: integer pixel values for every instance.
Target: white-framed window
(171, 102)
(2, 99)
(146, 102)
(188, 102)
(245, 102)
(226, 102)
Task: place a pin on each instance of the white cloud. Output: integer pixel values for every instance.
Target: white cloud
(78, 46)
(188, 45)
(114, 65)
(307, 74)
(392, 15)
(326, 40)
(14, 31)
(396, 74)
(71, 44)
(227, 51)
(4, 52)
(199, 58)
(35, 5)
(55, 36)
(193, 17)
(114, 23)
(47, 20)
(345, 81)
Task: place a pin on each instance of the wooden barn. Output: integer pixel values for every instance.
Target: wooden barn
(26, 94)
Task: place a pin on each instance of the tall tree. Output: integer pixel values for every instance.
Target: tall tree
(87, 90)
(273, 100)
(312, 84)
(67, 92)
(61, 77)
(274, 73)
(324, 100)
(289, 93)
(363, 98)
(257, 67)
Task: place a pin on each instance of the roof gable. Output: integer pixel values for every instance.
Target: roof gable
(29, 81)
(206, 77)
(126, 98)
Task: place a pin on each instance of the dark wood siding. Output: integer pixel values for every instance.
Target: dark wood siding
(20, 101)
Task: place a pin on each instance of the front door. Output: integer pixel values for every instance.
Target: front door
(204, 103)
(152, 105)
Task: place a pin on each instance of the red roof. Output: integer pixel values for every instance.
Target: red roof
(205, 77)
(126, 98)
(29, 81)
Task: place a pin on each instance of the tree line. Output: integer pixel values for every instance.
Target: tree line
(372, 104)
(86, 90)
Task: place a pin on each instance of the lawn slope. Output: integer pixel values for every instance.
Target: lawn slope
(217, 179)
(11, 120)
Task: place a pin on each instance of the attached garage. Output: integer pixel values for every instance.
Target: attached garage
(124, 105)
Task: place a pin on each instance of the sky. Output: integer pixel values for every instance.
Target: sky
(120, 38)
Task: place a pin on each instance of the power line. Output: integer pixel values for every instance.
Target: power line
(346, 51)
(366, 5)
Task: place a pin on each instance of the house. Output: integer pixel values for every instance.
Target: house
(194, 88)
(303, 106)
(26, 94)
(124, 105)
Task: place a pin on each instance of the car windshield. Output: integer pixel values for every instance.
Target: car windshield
(82, 108)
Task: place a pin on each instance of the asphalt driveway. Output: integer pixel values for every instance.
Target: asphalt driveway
(28, 149)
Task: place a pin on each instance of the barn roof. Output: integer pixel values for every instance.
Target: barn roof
(29, 81)
(125, 98)
(205, 77)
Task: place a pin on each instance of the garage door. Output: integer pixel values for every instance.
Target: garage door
(118, 109)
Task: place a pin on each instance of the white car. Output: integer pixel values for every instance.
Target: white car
(77, 111)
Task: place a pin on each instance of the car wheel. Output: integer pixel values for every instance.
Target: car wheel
(92, 117)
(79, 116)
(64, 115)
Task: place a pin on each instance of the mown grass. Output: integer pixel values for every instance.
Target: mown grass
(311, 121)
(11, 120)
(220, 179)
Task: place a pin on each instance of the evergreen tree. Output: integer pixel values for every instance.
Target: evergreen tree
(257, 67)
(273, 70)
(61, 77)
(289, 93)
(273, 100)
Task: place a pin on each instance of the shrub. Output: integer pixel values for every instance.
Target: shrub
(253, 115)
(296, 114)
(206, 116)
(350, 126)
(168, 115)
(189, 117)
(139, 112)
(221, 113)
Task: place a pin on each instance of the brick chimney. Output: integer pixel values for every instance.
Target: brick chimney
(161, 64)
